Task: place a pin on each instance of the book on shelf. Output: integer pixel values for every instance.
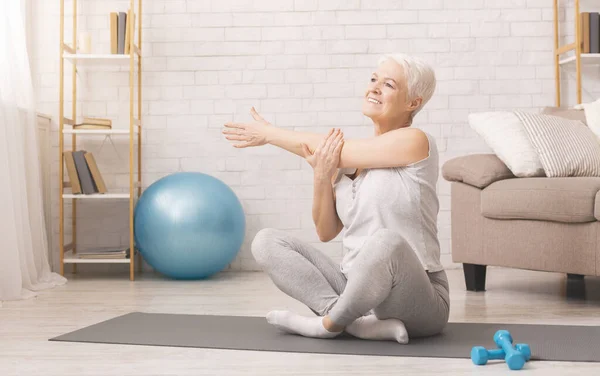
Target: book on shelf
(104, 253)
(91, 126)
(590, 32)
(98, 121)
(83, 172)
(72, 172)
(120, 40)
(93, 123)
(96, 176)
(114, 37)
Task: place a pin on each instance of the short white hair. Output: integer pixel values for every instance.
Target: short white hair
(420, 77)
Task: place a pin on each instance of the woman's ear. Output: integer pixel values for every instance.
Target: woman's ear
(415, 103)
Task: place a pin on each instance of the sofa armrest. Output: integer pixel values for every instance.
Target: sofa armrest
(478, 170)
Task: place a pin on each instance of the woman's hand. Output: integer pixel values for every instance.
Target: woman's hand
(326, 157)
(249, 134)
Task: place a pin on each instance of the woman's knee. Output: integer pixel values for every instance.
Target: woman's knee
(390, 243)
(263, 243)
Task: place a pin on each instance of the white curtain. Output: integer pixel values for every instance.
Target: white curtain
(24, 267)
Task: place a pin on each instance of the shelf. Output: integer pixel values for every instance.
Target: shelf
(98, 196)
(70, 258)
(100, 131)
(98, 58)
(585, 59)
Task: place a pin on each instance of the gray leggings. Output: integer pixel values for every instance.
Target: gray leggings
(386, 277)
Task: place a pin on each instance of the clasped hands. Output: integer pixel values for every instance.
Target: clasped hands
(324, 159)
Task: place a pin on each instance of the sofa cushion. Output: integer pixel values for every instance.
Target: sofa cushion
(478, 170)
(570, 200)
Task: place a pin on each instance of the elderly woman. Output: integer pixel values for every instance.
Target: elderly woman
(381, 191)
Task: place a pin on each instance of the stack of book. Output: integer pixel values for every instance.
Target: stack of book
(83, 172)
(590, 31)
(108, 253)
(94, 123)
(120, 40)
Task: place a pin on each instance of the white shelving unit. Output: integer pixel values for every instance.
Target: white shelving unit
(131, 61)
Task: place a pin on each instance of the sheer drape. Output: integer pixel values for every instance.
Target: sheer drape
(24, 266)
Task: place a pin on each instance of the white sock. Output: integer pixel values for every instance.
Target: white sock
(370, 327)
(297, 324)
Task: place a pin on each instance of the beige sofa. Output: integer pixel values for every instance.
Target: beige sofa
(543, 224)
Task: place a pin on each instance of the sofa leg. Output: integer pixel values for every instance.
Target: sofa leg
(576, 287)
(474, 277)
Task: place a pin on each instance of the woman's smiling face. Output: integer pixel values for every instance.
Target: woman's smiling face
(386, 96)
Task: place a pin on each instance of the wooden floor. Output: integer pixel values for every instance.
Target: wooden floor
(25, 326)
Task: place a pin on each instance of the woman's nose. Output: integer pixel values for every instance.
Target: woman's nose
(375, 89)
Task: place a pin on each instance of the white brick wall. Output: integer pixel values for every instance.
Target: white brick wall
(303, 65)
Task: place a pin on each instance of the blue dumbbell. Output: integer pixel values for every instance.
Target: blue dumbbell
(515, 359)
(480, 355)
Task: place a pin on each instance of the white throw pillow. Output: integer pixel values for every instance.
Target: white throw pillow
(503, 132)
(592, 116)
(565, 147)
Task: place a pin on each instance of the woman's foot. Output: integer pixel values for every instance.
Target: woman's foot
(370, 327)
(302, 325)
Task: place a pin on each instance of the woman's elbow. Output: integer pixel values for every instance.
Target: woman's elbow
(324, 237)
(327, 236)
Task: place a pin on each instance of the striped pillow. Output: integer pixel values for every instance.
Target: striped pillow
(565, 147)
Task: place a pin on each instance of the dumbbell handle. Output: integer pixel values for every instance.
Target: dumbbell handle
(514, 359)
(500, 354)
(503, 336)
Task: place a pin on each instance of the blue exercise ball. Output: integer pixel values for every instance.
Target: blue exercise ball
(189, 225)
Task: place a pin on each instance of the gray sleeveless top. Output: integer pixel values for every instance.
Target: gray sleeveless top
(402, 199)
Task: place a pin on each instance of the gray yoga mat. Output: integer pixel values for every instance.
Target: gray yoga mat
(548, 342)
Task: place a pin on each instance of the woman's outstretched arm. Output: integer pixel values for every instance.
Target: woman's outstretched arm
(400, 147)
(392, 149)
(292, 141)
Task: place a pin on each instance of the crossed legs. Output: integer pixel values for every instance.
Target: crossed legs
(386, 277)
